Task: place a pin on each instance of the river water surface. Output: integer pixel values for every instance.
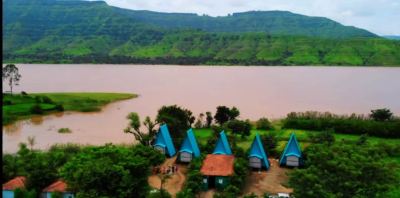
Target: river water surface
(256, 91)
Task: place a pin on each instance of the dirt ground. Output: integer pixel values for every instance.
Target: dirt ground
(175, 182)
(267, 181)
(207, 194)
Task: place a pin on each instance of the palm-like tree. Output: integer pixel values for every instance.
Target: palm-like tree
(31, 141)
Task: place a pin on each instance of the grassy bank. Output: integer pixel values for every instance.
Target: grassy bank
(18, 106)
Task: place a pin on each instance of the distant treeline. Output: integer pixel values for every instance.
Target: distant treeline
(353, 124)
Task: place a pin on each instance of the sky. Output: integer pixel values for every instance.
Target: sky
(381, 17)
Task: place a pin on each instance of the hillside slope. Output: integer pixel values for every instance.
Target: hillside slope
(50, 31)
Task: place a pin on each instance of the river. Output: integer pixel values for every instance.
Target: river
(256, 91)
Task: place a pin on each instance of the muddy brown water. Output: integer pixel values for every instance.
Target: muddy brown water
(256, 91)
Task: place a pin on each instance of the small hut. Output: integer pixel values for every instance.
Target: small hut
(222, 147)
(164, 142)
(58, 186)
(189, 148)
(257, 156)
(10, 186)
(292, 154)
(217, 170)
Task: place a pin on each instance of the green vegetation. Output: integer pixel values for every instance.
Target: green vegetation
(22, 106)
(336, 164)
(93, 32)
(92, 171)
(380, 123)
(354, 171)
(64, 130)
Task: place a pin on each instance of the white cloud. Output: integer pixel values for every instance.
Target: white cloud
(379, 16)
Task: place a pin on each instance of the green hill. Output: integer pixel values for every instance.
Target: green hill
(50, 31)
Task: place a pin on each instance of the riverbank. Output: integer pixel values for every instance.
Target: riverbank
(23, 106)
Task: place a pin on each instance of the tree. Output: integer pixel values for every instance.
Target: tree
(31, 141)
(107, 171)
(326, 136)
(270, 141)
(178, 120)
(381, 114)
(225, 114)
(240, 127)
(209, 119)
(263, 124)
(10, 73)
(134, 128)
(354, 171)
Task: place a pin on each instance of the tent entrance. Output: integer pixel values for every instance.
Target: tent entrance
(185, 157)
(255, 162)
(292, 161)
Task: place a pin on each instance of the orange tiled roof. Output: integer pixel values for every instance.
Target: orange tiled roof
(218, 165)
(18, 182)
(58, 186)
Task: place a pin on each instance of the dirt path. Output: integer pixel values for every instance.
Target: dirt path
(267, 181)
(175, 182)
(207, 194)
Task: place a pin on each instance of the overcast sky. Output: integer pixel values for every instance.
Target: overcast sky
(378, 16)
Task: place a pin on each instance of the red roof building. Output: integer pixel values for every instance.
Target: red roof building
(18, 182)
(218, 165)
(58, 186)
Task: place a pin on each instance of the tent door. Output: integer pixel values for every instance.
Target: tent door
(292, 161)
(185, 157)
(255, 162)
(161, 149)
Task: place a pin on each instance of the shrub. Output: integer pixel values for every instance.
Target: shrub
(64, 130)
(36, 109)
(354, 124)
(47, 100)
(7, 102)
(59, 107)
(263, 124)
(240, 127)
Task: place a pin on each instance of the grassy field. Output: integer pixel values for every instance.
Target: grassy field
(19, 106)
(283, 135)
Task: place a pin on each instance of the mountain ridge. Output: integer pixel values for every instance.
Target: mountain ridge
(84, 31)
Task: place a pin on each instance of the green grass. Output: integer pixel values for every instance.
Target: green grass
(19, 106)
(283, 135)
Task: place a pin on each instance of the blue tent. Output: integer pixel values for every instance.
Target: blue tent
(222, 146)
(190, 144)
(189, 148)
(292, 151)
(257, 151)
(164, 142)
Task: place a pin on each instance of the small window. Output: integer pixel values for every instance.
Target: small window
(204, 180)
(220, 181)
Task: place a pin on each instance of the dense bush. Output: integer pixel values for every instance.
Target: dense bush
(108, 171)
(59, 107)
(239, 127)
(36, 109)
(343, 170)
(354, 124)
(263, 124)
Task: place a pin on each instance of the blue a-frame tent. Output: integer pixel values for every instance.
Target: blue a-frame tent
(222, 147)
(257, 156)
(164, 142)
(189, 148)
(291, 156)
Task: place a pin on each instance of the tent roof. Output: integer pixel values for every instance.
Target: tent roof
(163, 139)
(222, 146)
(218, 165)
(58, 186)
(257, 150)
(292, 148)
(17, 182)
(190, 144)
